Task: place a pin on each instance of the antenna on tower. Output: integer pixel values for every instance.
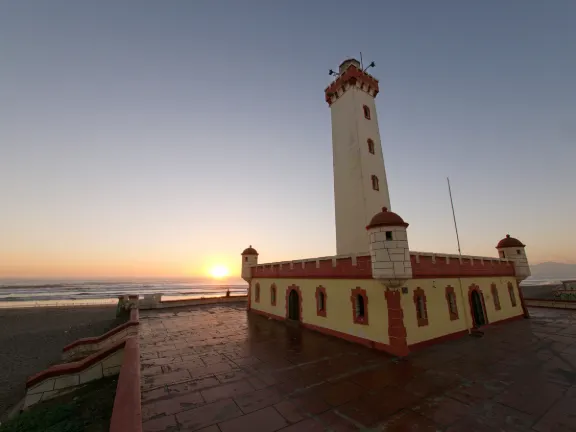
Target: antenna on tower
(361, 64)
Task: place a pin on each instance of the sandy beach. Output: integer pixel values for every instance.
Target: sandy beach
(32, 339)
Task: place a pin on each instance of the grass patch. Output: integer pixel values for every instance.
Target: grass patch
(87, 409)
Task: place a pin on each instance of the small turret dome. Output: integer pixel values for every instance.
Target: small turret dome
(386, 218)
(509, 242)
(250, 251)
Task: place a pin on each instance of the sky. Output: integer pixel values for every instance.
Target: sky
(157, 139)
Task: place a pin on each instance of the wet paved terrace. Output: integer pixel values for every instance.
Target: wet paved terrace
(217, 368)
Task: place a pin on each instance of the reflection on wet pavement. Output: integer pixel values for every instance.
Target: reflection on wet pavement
(218, 368)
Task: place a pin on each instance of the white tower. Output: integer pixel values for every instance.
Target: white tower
(249, 259)
(389, 248)
(513, 249)
(360, 185)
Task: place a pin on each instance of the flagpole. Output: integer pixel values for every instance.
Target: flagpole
(459, 253)
(454, 216)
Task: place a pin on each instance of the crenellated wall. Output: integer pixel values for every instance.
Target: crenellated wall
(359, 267)
(431, 265)
(424, 265)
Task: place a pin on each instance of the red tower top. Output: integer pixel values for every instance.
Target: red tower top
(351, 74)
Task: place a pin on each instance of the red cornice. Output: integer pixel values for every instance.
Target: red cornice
(351, 76)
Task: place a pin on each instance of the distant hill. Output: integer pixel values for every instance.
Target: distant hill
(553, 270)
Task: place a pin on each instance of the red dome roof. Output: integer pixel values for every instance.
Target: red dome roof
(250, 251)
(509, 242)
(386, 218)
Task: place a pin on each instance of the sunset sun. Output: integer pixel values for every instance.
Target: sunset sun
(219, 271)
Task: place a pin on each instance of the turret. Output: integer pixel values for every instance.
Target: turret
(513, 249)
(249, 259)
(389, 248)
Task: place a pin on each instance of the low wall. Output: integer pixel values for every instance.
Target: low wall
(424, 265)
(127, 411)
(554, 304)
(150, 303)
(63, 378)
(431, 265)
(85, 346)
(348, 267)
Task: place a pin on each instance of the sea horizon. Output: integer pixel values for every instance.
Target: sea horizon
(91, 289)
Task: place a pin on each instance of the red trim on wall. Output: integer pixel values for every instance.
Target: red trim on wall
(249, 303)
(273, 294)
(419, 293)
(350, 76)
(353, 297)
(495, 297)
(74, 367)
(471, 289)
(344, 269)
(506, 320)
(396, 329)
(424, 344)
(396, 351)
(321, 311)
(451, 293)
(366, 111)
(371, 148)
(134, 321)
(268, 315)
(257, 293)
(127, 411)
(443, 268)
(513, 301)
(288, 290)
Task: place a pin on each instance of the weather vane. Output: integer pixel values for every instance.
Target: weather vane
(372, 64)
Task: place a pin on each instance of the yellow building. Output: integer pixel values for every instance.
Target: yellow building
(376, 291)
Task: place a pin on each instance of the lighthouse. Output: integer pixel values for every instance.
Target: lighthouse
(360, 185)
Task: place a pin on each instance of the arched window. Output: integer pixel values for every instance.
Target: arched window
(496, 297)
(359, 301)
(246, 259)
(451, 300)
(321, 299)
(370, 146)
(512, 295)
(257, 292)
(375, 183)
(502, 254)
(273, 295)
(366, 112)
(420, 303)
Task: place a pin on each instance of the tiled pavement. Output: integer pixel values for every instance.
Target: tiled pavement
(219, 369)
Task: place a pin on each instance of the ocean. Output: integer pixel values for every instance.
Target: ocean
(16, 292)
(33, 292)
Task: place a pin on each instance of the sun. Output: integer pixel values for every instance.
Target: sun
(219, 271)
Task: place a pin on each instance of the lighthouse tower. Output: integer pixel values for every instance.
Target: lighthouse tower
(360, 185)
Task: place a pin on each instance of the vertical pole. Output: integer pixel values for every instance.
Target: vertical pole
(459, 253)
(361, 63)
(454, 216)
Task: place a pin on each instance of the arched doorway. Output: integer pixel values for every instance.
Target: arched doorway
(477, 307)
(294, 305)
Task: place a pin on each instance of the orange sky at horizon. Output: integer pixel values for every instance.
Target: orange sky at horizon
(37, 266)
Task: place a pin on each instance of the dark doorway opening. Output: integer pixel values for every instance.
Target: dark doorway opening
(294, 306)
(477, 309)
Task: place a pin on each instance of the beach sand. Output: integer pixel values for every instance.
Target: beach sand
(32, 339)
